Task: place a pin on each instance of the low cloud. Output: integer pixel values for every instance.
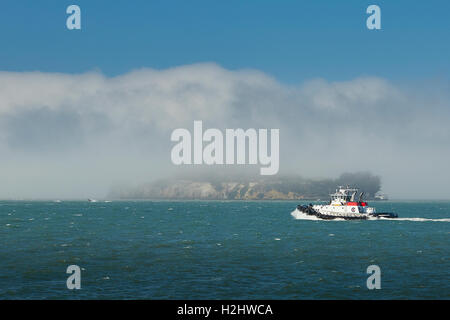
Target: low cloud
(64, 135)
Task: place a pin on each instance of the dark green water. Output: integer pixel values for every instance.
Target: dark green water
(219, 250)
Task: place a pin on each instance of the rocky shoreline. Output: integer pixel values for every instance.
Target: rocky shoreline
(281, 188)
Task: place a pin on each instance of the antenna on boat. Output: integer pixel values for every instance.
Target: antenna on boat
(361, 195)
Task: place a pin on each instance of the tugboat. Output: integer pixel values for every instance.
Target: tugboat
(343, 205)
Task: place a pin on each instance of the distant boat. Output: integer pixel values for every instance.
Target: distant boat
(57, 201)
(92, 200)
(381, 196)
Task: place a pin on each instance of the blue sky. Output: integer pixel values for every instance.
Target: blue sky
(291, 40)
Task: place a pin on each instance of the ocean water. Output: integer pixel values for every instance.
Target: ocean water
(219, 250)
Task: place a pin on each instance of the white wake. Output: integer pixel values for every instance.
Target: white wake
(418, 219)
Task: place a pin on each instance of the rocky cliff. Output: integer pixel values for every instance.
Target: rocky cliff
(280, 188)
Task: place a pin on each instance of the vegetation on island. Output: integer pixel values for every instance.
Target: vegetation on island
(246, 188)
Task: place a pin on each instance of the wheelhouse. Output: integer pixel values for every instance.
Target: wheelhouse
(347, 196)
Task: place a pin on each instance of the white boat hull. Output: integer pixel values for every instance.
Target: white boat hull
(327, 212)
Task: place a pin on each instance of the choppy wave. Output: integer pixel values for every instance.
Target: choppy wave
(219, 250)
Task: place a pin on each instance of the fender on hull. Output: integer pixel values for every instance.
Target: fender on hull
(389, 215)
